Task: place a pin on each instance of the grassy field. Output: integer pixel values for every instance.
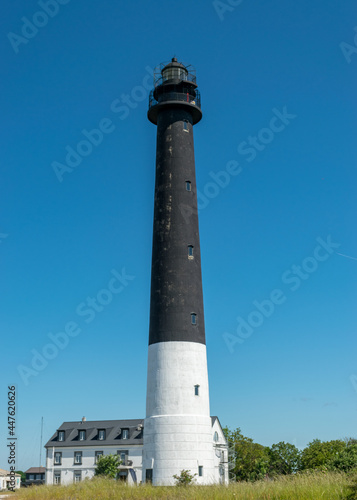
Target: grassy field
(324, 486)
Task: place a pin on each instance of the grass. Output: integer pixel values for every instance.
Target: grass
(314, 486)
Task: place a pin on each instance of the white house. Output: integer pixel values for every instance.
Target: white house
(6, 479)
(73, 450)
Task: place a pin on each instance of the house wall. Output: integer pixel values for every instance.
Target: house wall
(5, 480)
(221, 453)
(87, 468)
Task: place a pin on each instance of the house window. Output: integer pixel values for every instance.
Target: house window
(98, 454)
(82, 435)
(123, 456)
(188, 185)
(193, 319)
(60, 435)
(215, 437)
(32, 477)
(77, 477)
(125, 433)
(190, 251)
(58, 457)
(57, 478)
(200, 470)
(185, 126)
(78, 457)
(197, 390)
(101, 434)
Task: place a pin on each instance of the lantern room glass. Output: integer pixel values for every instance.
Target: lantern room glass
(174, 73)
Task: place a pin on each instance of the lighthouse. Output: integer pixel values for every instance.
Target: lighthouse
(178, 426)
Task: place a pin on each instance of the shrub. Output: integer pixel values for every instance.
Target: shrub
(107, 465)
(185, 478)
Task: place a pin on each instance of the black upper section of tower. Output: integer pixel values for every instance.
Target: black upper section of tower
(176, 304)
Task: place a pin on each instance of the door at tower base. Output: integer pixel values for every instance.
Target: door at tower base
(178, 431)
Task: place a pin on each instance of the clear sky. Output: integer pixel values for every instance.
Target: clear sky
(276, 171)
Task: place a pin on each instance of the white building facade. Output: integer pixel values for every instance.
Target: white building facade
(9, 480)
(73, 450)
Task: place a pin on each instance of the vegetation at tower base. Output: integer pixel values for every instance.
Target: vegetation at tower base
(301, 486)
(184, 478)
(322, 471)
(107, 465)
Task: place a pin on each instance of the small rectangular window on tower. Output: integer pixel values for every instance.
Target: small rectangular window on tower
(197, 390)
(188, 186)
(200, 470)
(190, 251)
(193, 319)
(185, 126)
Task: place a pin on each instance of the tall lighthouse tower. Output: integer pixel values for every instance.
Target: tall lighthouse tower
(177, 429)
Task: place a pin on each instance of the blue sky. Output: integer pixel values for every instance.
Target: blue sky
(279, 118)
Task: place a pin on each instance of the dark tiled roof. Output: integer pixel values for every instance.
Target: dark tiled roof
(112, 430)
(36, 470)
(113, 436)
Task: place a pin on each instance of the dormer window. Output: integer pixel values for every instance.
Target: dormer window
(101, 434)
(60, 435)
(125, 434)
(82, 435)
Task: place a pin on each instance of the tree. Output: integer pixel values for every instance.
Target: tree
(107, 465)
(285, 458)
(22, 474)
(345, 460)
(320, 454)
(251, 460)
(185, 478)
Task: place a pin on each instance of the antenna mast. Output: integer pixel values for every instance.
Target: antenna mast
(41, 440)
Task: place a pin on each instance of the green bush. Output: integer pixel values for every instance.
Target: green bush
(185, 478)
(107, 465)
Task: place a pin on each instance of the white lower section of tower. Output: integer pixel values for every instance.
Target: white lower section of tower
(178, 429)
